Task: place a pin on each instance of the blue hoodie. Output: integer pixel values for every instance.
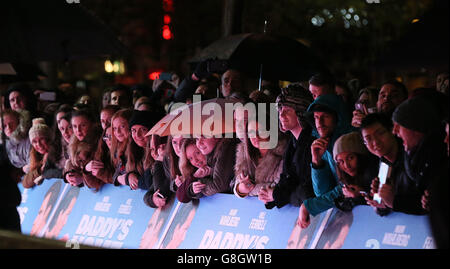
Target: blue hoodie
(324, 179)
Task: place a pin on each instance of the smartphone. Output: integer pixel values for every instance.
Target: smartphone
(165, 76)
(383, 174)
(47, 96)
(160, 195)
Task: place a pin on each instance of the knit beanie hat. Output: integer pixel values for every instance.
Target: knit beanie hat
(297, 97)
(144, 118)
(417, 114)
(350, 142)
(39, 128)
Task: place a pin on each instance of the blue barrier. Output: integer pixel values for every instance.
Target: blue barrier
(116, 217)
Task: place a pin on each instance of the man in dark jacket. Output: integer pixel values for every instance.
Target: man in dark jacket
(295, 184)
(10, 197)
(398, 193)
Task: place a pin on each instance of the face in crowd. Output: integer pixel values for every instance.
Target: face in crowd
(138, 133)
(231, 82)
(195, 156)
(378, 140)
(105, 118)
(17, 101)
(255, 133)
(119, 98)
(325, 123)
(348, 162)
(389, 98)
(288, 118)
(66, 129)
(317, 91)
(409, 137)
(40, 144)
(120, 129)
(10, 123)
(108, 137)
(81, 127)
(206, 145)
(176, 144)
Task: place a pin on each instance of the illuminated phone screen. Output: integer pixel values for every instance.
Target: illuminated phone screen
(382, 175)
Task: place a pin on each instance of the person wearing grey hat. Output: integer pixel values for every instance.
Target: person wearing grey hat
(295, 183)
(355, 168)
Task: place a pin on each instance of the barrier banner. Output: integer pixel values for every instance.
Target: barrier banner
(38, 204)
(363, 228)
(114, 217)
(117, 217)
(223, 221)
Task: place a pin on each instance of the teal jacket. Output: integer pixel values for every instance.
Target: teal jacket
(324, 179)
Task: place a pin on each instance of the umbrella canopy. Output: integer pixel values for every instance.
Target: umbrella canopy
(210, 117)
(283, 58)
(52, 30)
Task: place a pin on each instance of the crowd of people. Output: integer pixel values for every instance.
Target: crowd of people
(330, 145)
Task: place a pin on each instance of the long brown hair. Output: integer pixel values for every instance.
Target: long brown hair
(185, 166)
(118, 148)
(173, 158)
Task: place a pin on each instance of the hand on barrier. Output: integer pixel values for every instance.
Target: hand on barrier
(266, 195)
(303, 217)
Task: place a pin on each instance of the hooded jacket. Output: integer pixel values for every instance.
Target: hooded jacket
(18, 145)
(324, 178)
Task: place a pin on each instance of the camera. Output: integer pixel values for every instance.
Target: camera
(364, 109)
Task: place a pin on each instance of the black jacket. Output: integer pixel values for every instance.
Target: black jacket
(157, 178)
(295, 183)
(407, 197)
(10, 196)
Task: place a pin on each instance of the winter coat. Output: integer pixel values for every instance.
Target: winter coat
(324, 178)
(295, 183)
(72, 165)
(411, 175)
(160, 180)
(18, 145)
(10, 196)
(267, 172)
(221, 160)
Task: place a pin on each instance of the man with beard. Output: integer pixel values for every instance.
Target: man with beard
(392, 94)
(330, 121)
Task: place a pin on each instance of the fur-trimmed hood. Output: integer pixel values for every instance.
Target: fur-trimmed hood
(21, 131)
(269, 167)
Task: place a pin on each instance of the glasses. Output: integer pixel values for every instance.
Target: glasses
(107, 137)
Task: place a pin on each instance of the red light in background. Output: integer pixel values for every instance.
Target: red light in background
(167, 19)
(167, 34)
(154, 75)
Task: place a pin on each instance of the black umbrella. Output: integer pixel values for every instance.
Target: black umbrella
(53, 30)
(283, 58)
(20, 72)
